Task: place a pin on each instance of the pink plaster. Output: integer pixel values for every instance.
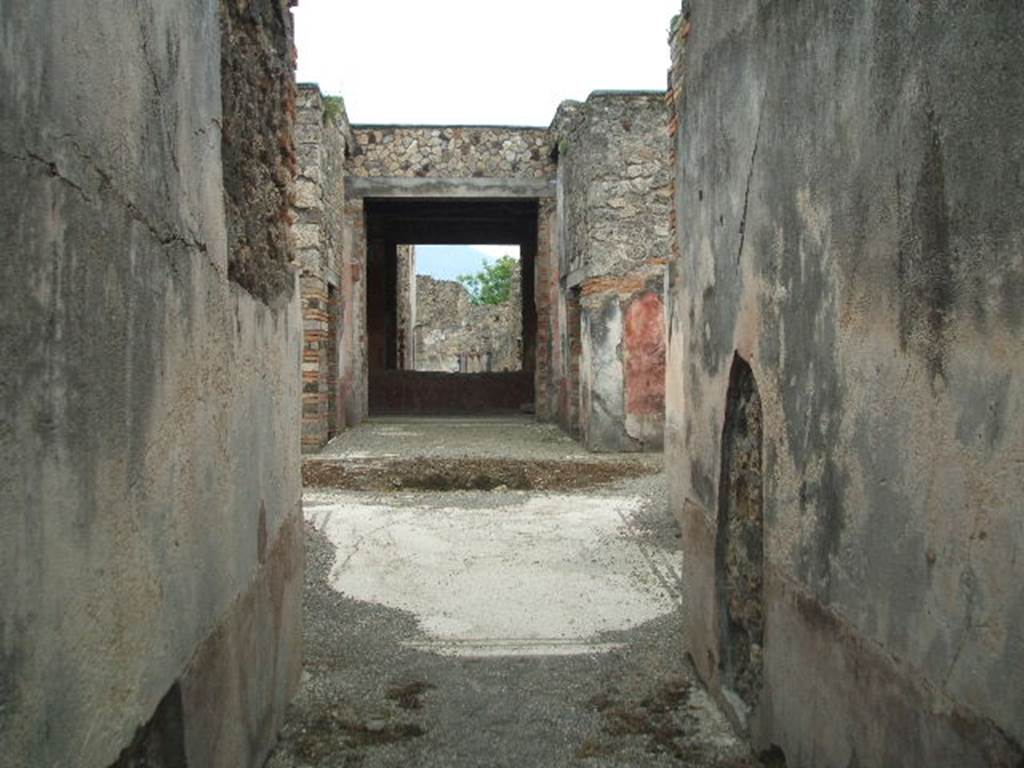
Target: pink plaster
(645, 355)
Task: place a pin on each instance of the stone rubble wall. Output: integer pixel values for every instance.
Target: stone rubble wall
(451, 151)
(151, 546)
(456, 336)
(615, 182)
(259, 162)
(614, 203)
(849, 227)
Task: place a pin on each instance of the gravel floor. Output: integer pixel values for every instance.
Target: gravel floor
(376, 692)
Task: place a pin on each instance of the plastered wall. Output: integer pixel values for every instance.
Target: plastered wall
(848, 195)
(150, 529)
(613, 204)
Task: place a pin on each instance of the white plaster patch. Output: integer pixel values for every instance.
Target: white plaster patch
(364, 455)
(546, 576)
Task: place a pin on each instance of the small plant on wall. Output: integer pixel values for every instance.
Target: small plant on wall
(334, 107)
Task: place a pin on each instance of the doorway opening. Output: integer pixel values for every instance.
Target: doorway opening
(739, 544)
(462, 308)
(451, 324)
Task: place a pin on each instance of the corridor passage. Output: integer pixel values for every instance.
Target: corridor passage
(483, 592)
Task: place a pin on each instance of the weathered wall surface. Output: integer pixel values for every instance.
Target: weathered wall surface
(332, 308)
(546, 355)
(150, 530)
(258, 142)
(452, 151)
(406, 289)
(454, 335)
(353, 393)
(622, 363)
(615, 182)
(614, 202)
(849, 192)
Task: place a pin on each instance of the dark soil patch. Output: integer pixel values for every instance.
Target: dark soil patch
(337, 729)
(408, 696)
(467, 474)
(654, 718)
(594, 748)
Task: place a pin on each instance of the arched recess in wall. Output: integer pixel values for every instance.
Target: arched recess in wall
(739, 543)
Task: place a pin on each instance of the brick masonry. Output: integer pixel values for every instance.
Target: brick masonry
(323, 233)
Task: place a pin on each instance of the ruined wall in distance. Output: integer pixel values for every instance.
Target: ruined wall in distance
(463, 155)
(151, 546)
(849, 196)
(455, 336)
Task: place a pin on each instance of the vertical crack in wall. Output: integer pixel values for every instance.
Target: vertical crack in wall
(750, 178)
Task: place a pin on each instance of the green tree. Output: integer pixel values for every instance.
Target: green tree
(492, 284)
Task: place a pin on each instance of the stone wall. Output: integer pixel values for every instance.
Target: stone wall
(151, 554)
(257, 144)
(849, 196)
(614, 203)
(332, 361)
(616, 184)
(599, 258)
(451, 151)
(406, 288)
(456, 336)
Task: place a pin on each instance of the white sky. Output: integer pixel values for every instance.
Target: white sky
(478, 61)
(495, 252)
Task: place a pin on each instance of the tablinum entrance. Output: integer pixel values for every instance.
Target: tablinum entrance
(393, 222)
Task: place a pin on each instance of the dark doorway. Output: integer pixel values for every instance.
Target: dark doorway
(390, 225)
(160, 743)
(739, 544)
